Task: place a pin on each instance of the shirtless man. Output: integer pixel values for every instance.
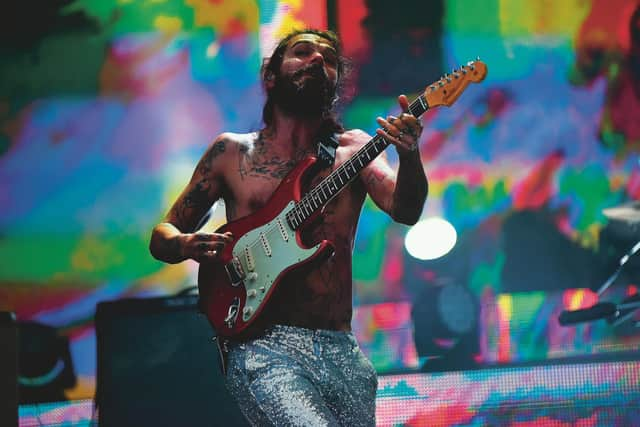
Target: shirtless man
(306, 367)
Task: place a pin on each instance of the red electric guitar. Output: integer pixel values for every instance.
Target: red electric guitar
(267, 244)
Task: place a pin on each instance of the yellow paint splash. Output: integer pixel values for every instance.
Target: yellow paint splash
(167, 24)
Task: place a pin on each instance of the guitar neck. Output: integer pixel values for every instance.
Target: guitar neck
(335, 182)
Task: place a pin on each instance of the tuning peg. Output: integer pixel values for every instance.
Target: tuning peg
(477, 58)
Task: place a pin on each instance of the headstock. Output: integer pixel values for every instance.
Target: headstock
(450, 86)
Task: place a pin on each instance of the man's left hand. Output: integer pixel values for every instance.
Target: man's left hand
(404, 131)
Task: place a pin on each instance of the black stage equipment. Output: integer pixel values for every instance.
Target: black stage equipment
(445, 327)
(624, 225)
(45, 364)
(158, 365)
(8, 370)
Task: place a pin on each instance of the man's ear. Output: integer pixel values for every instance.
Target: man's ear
(269, 78)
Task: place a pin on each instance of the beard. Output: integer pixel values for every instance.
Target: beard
(305, 93)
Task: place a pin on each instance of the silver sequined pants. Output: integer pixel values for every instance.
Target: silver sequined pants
(304, 377)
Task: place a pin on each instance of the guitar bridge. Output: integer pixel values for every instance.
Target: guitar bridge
(235, 271)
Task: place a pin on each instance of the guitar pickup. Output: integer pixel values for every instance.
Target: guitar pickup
(249, 259)
(235, 271)
(265, 245)
(283, 230)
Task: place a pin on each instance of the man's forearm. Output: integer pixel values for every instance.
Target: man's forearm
(165, 244)
(411, 189)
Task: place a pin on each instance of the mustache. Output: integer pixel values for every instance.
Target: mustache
(315, 70)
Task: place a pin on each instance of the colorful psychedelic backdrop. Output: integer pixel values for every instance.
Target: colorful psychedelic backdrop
(105, 106)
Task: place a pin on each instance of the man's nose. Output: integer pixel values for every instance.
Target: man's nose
(316, 57)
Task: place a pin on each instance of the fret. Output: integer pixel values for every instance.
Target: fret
(339, 177)
(323, 193)
(414, 109)
(423, 103)
(348, 174)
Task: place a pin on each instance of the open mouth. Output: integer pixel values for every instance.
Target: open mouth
(312, 72)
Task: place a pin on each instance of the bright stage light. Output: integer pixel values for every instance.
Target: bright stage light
(430, 238)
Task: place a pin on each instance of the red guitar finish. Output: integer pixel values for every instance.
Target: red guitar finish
(213, 280)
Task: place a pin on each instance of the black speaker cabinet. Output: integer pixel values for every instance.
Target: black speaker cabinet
(8, 370)
(159, 366)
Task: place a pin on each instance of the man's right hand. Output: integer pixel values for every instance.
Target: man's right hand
(204, 246)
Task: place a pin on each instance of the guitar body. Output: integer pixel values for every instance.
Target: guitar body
(265, 249)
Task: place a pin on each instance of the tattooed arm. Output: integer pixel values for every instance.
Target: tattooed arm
(402, 194)
(175, 240)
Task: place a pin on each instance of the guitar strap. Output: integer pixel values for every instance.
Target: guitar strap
(327, 150)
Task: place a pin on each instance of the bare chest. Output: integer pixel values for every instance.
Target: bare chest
(255, 180)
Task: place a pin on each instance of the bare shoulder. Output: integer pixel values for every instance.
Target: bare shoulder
(229, 141)
(227, 144)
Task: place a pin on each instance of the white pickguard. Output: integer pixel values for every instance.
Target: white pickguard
(272, 248)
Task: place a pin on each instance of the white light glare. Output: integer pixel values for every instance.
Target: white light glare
(430, 238)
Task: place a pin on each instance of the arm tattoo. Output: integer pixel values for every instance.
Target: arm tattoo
(197, 199)
(375, 177)
(216, 150)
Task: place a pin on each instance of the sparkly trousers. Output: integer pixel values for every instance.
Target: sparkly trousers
(304, 377)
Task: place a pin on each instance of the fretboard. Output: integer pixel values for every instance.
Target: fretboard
(337, 180)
